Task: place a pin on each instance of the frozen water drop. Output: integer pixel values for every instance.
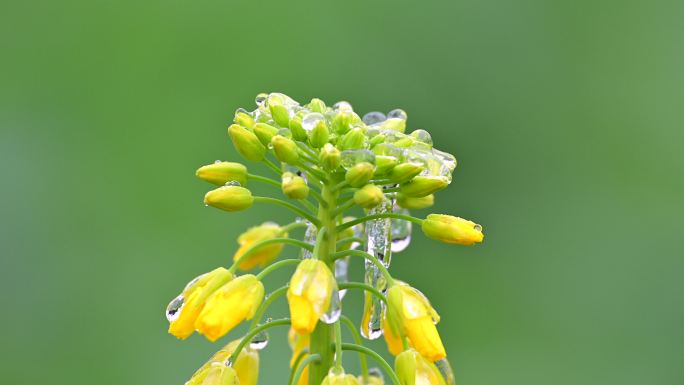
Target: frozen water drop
(218, 161)
(477, 227)
(309, 121)
(259, 341)
(374, 117)
(445, 370)
(397, 114)
(232, 183)
(334, 310)
(422, 136)
(193, 282)
(342, 106)
(310, 238)
(341, 273)
(174, 308)
(401, 231)
(260, 99)
(350, 158)
(228, 362)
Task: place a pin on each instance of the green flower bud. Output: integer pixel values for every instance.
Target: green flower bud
(394, 124)
(285, 149)
(359, 174)
(405, 367)
(412, 203)
(369, 196)
(229, 198)
(330, 157)
(279, 112)
(421, 186)
(244, 119)
(265, 132)
(342, 121)
(384, 164)
(246, 143)
(353, 139)
(220, 173)
(450, 229)
(298, 132)
(319, 135)
(294, 186)
(377, 139)
(317, 105)
(405, 172)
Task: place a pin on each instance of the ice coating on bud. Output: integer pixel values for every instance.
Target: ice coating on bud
(220, 173)
(229, 198)
(294, 186)
(351, 158)
(405, 172)
(422, 186)
(360, 174)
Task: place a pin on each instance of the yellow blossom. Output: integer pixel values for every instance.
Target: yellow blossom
(392, 338)
(220, 173)
(338, 377)
(299, 342)
(309, 294)
(231, 304)
(229, 198)
(264, 254)
(193, 299)
(450, 229)
(246, 365)
(412, 311)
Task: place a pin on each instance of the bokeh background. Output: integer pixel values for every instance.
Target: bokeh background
(566, 118)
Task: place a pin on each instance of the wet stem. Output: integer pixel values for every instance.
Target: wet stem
(323, 336)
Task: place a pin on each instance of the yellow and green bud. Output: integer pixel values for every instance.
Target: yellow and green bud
(298, 132)
(330, 157)
(246, 143)
(405, 172)
(309, 294)
(294, 186)
(218, 374)
(384, 164)
(263, 255)
(229, 198)
(338, 377)
(317, 105)
(246, 365)
(279, 112)
(220, 173)
(194, 297)
(285, 149)
(411, 311)
(421, 186)
(413, 369)
(341, 122)
(319, 134)
(369, 196)
(265, 132)
(450, 229)
(412, 203)
(359, 174)
(228, 306)
(244, 119)
(353, 139)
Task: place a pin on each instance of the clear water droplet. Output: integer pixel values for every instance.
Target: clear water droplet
(397, 114)
(259, 341)
(193, 282)
(309, 121)
(229, 362)
(401, 231)
(310, 238)
(378, 243)
(232, 183)
(422, 136)
(445, 370)
(477, 227)
(334, 310)
(342, 106)
(349, 158)
(285, 132)
(218, 161)
(374, 117)
(341, 273)
(174, 308)
(260, 99)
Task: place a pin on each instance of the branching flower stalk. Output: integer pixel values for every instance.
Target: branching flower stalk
(329, 162)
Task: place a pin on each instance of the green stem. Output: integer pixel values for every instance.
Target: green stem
(271, 268)
(314, 358)
(318, 196)
(295, 364)
(357, 340)
(376, 262)
(379, 216)
(248, 337)
(256, 246)
(363, 286)
(290, 207)
(343, 207)
(338, 345)
(339, 186)
(273, 166)
(263, 179)
(275, 294)
(292, 226)
(376, 357)
(312, 173)
(344, 241)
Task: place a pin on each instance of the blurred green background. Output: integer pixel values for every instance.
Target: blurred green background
(566, 118)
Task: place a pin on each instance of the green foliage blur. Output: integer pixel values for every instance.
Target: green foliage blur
(566, 118)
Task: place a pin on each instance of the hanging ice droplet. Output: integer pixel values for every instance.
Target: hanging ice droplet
(401, 231)
(334, 310)
(310, 238)
(261, 99)
(378, 233)
(342, 106)
(373, 308)
(309, 121)
(218, 161)
(374, 117)
(228, 362)
(397, 114)
(349, 158)
(422, 136)
(376, 372)
(174, 308)
(232, 183)
(445, 370)
(193, 282)
(259, 341)
(341, 273)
